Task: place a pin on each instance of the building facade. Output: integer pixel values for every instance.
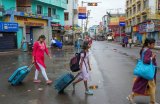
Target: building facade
(116, 27)
(142, 19)
(71, 19)
(105, 23)
(35, 17)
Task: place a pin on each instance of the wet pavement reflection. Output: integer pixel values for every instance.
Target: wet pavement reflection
(30, 93)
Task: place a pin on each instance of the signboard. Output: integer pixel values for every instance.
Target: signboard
(122, 24)
(150, 27)
(8, 27)
(82, 13)
(30, 21)
(122, 19)
(158, 4)
(135, 28)
(114, 21)
(82, 16)
(157, 25)
(82, 10)
(142, 28)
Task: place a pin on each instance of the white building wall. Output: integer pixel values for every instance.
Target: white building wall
(152, 5)
(70, 6)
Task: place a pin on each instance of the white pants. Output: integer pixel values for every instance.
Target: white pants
(43, 72)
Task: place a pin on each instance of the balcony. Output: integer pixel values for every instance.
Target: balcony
(25, 13)
(24, 9)
(1, 10)
(55, 16)
(145, 10)
(58, 3)
(75, 8)
(51, 16)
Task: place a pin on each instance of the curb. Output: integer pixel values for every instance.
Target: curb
(10, 52)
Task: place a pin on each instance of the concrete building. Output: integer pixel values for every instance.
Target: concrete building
(35, 17)
(71, 19)
(142, 19)
(116, 26)
(105, 23)
(94, 31)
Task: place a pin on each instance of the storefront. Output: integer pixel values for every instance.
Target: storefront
(153, 30)
(137, 37)
(142, 30)
(57, 31)
(8, 36)
(128, 31)
(31, 28)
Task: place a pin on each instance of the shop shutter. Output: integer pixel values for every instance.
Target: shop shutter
(7, 41)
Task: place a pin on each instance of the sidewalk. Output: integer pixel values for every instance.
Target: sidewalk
(133, 45)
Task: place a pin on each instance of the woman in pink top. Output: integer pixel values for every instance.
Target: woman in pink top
(38, 59)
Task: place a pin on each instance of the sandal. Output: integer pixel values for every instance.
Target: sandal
(37, 81)
(49, 82)
(130, 99)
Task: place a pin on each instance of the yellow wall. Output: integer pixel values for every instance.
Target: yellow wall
(7, 19)
(30, 21)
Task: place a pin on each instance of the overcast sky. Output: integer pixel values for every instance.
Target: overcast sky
(98, 12)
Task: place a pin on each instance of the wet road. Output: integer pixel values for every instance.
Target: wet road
(112, 68)
(116, 65)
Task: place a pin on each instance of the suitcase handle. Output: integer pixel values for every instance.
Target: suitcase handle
(30, 67)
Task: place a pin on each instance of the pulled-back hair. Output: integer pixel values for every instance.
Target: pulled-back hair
(41, 37)
(146, 43)
(85, 45)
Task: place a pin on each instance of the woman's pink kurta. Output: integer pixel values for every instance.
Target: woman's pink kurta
(38, 54)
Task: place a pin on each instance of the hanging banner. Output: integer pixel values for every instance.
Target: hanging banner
(82, 10)
(158, 4)
(82, 16)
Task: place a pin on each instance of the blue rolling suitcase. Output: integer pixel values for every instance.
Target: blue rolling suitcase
(64, 81)
(18, 76)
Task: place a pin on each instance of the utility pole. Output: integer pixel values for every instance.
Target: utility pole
(82, 21)
(88, 5)
(73, 21)
(88, 13)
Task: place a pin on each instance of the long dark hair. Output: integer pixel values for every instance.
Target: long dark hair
(41, 37)
(85, 45)
(146, 43)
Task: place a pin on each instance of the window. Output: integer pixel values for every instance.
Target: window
(66, 16)
(145, 4)
(138, 19)
(127, 3)
(54, 11)
(145, 17)
(39, 9)
(131, 12)
(134, 9)
(49, 12)
(139, 7)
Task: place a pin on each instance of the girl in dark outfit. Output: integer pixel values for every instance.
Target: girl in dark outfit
(144, 87)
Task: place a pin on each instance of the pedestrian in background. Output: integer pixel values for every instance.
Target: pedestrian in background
(130, 41)
(143, 86)
(84, 68)
(38, 58)
(126, 41)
